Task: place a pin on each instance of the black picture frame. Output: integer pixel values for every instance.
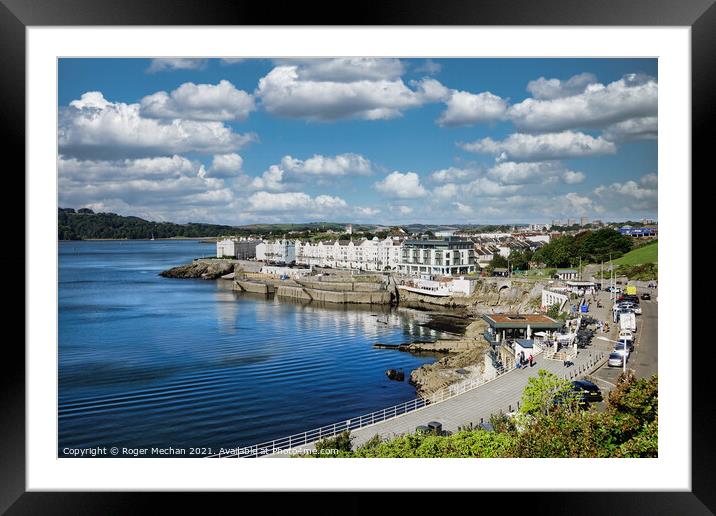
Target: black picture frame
(16, 15)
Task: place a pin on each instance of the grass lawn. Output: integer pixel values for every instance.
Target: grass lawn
(646, 254)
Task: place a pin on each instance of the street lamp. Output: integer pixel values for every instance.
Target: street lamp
(624, 356)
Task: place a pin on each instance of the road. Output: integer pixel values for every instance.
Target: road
(644, 359)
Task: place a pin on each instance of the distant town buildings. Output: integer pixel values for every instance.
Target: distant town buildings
(638, 232)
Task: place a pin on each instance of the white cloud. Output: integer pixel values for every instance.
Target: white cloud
(226, 165)
(293, 91)
(450, 174)
(598, 106)
(176, 63)
(403, 210)
(446, 191)
(367, 211)
(528, 147)
(218, 102)
(430, 90)
(465, 108)
(232, 60)
(486, 187)
(346, 69)
(271, 179)
(293, 201)
(94, 128)
(572, 178)
(580, 204)
(645, 190)
(112, 171)
(645, 128)
(318, 165)
(554, 88)
(463, 209)
(510, 172)
(329, 202)
(169, 188)
(430, 67)
(401, 185)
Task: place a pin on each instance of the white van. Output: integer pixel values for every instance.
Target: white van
(627, 321)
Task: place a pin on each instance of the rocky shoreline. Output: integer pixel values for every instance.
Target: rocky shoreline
(201, 269)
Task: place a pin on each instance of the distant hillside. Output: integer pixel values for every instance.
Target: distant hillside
(84, 224)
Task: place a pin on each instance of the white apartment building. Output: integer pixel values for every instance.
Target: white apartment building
(368, 255)
(446, 256)
(241, 248)
(279, 251)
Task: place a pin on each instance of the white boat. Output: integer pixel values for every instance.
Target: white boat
(439, 292)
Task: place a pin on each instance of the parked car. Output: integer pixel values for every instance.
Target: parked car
(646, 296)
(622, 348)
(629, 344)
(615, 359)
(590, 392)
(626, 335)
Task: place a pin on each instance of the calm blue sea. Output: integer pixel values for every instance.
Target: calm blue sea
(146, 361)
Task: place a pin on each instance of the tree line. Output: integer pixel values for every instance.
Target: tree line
(85, 224)
(590, 246)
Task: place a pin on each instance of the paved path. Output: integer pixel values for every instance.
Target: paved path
(500, 394)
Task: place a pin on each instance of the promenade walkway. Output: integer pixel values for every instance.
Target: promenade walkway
(500, 394)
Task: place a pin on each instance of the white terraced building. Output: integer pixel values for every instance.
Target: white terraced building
(367, 255)
(241, 248)
(279, 251)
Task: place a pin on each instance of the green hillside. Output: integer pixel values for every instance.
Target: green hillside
(646, 254)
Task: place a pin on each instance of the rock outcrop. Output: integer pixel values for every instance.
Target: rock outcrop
(465, 358)
(202, 269)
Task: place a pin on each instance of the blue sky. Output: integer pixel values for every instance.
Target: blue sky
(358, 139)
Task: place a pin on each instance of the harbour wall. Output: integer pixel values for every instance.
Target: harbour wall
(340, 297)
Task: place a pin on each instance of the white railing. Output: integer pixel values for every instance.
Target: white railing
(462, 387)
(327, 431)
(310, 436)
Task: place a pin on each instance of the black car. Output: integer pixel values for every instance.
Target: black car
(646, 296)
(589, 391)
(630, 298)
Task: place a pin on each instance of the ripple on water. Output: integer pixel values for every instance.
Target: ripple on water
(146, 360)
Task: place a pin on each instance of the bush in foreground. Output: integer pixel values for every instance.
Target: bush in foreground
(627, 428)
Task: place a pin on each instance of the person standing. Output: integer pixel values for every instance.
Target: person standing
(531, 359)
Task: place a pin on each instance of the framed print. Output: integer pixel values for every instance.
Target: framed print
(428, 238)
